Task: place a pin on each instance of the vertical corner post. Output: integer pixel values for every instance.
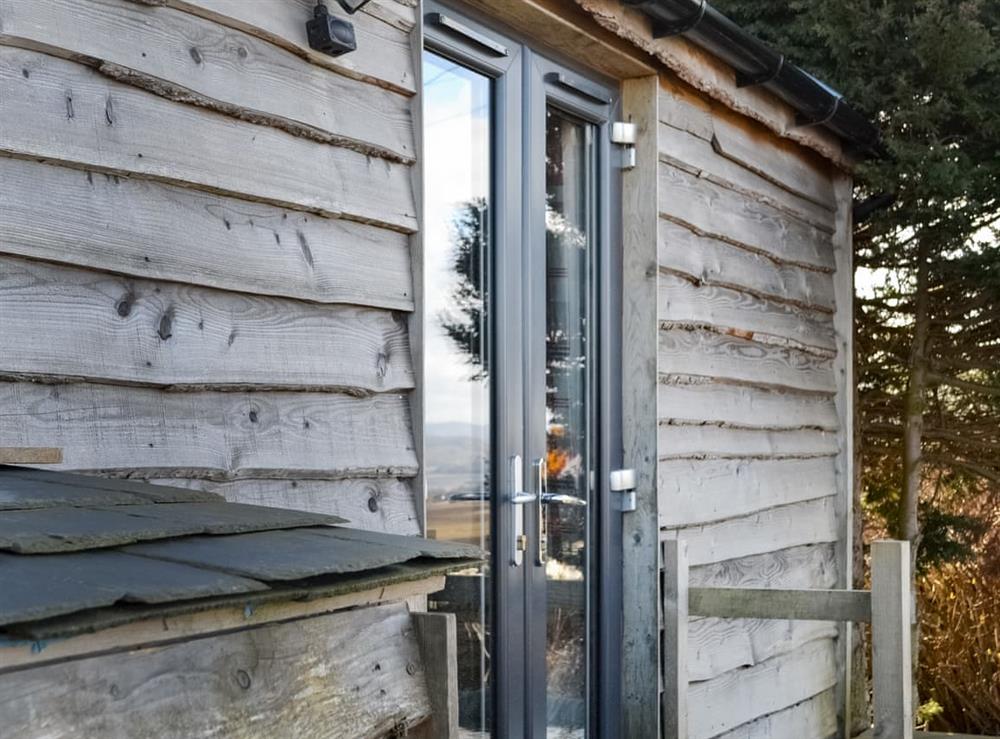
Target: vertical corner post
(437, 637)
(675, 640)
(892, 666)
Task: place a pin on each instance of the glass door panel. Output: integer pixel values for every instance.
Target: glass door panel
(457, 257)
(569, 232)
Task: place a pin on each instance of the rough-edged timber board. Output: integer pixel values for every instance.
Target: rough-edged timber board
(711, 490)
(383, 55)
(71, 323)
(275, 555)
(195, 60)
(121, 628)
(809, 522)
(157, 231)
(685, 302)
(810, 565)
(65, 488)
(212, 434)
(30, 455)
(36, 587)
(350, 669)
(48, 530)
(732, 217)
(385, 505)
(708, 353)
(701, 441)
(815, 717)
(708, 261)
(699, 156)
(741, 406)
(738, 697)
(69, 106)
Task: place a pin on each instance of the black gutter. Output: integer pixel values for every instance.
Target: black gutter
(756, 63)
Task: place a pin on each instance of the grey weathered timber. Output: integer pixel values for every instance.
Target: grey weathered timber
(892, 668)
(276, 555)
(640, 557)
(686, 302)
(844, 400)
(153, 230)
(437, 636)
(414, 546)
(213, 66)
(356, 669)
(212, 434)
(158, 138)
(699, 441)
(810, 605)
(813, 717)
(371, 504)
(729, 216)
(702, 157)
(30, 455)
(738, 697)
(383, 55)
(789, 167)
(714, 262)
(47, 530)
(712, 490)
(674, 708)
(65, 488)
(61, 322)
(729, 405)
(36, 587)
(783, 527)
(703, 352)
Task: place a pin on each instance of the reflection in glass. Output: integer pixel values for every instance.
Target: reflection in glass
(568, 214)
(456, 366)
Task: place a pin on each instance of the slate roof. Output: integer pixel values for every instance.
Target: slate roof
(80, 553)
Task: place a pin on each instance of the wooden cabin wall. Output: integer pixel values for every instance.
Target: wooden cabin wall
(205, 273)
(752, 431)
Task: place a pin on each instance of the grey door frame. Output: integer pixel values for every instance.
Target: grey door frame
(521, 93)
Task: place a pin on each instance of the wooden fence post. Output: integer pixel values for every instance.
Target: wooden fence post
(892, 668)
(436, 633)
(673, 706)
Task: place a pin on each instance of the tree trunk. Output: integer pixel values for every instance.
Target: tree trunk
(908, 525)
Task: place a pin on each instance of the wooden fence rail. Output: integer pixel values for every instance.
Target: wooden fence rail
(888, 607)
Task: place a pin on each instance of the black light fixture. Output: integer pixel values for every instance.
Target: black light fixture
(332, 35)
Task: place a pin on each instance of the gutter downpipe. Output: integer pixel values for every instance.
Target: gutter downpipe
(756, 63)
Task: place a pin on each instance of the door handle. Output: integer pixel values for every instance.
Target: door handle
(562, 498)
(517, 498)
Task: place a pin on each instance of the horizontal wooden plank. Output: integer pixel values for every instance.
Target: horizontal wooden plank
(30, 455)
(813, 717)
(64, 322)
(730, 216)
(683, 302)
(699, 441)
(809, 522)
(719, 645)
(130, 226)
(383, 56)
(710, 490)
(705, 353)
(84, 580)
(800, 605)
(741, 406)
(69, 529)
(72, 114)
(738, 697)
(709, 261)
(704, 159)
(204, 63)
(118, 630)
(371, 504)
(358, 668)
(210, 434)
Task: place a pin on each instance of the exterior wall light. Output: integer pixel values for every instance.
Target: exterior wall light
(332, 35)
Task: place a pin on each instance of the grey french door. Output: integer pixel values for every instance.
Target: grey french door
(521, 424)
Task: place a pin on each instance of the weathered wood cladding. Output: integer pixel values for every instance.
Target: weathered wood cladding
(204, 249)
(748, 400)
